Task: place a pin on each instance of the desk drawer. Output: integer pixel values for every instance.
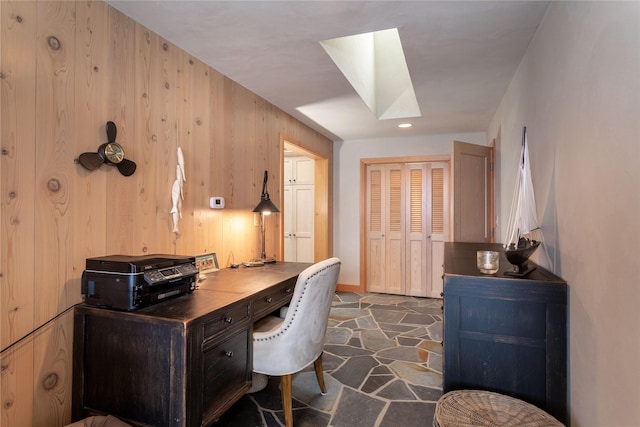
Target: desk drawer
(227, 374)
(274, 299)
(223, 320)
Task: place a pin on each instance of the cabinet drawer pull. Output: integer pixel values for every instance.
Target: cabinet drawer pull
(269, 299)
(228, 320)
(229, 353)
(289, 290)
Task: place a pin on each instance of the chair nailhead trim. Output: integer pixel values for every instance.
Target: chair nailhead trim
(304, 289)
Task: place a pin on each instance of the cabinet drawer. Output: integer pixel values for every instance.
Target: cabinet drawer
(274, 299)
(227, 374)
(223, 320)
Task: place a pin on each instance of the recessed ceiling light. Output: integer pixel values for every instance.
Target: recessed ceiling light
(405, 125)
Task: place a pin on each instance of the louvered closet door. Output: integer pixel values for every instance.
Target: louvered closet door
(426, 215)
(417, 217)
(385, 224)
(439, 224)
(406, 228)
(375, 218)
(394, 233)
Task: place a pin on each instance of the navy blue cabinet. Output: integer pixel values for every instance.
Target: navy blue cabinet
(505, 334)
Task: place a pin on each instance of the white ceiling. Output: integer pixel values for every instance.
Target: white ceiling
(461, 55)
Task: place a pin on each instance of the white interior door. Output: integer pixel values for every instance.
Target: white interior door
(302, 171)
(299, 210)
(289, 241)
(303, 234)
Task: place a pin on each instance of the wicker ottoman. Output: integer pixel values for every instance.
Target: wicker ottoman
(483, 408)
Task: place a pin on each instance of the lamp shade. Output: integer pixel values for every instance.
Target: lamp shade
(266, 205)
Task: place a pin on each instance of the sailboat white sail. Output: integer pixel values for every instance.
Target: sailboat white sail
(523, 216)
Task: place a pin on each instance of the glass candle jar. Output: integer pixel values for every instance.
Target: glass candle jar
(488, 261)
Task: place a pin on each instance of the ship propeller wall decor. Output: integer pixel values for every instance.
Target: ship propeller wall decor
(110, 153)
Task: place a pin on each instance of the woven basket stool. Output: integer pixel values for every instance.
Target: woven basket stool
(461, 408)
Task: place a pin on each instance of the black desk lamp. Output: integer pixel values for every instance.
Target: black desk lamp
(265, 207)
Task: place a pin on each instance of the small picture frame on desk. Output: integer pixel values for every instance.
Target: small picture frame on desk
(207, 263)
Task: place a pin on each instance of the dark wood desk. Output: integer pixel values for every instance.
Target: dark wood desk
(182, 362)
(505, 334)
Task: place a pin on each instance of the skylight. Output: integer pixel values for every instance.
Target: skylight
(374, 64)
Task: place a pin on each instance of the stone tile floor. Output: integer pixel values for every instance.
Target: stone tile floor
(382, 363)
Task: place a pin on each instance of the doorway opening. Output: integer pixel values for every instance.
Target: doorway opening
(305, 182)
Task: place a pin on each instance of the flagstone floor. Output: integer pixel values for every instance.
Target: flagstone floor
(382, 363)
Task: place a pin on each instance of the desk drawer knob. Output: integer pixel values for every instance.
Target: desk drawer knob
(289, 290)
(269, 300)
(228, 320)
(229, 353)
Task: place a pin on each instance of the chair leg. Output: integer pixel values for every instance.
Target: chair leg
(285, 392)
(319, 375)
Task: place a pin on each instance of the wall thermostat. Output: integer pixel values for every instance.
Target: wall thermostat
(216, 202)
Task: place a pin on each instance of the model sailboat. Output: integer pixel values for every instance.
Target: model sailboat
(522, 218)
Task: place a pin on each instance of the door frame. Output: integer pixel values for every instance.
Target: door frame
(445, 158)
(322, 239)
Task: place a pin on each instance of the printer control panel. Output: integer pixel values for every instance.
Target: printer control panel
(168, 274)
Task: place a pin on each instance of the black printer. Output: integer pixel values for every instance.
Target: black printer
(126, 282)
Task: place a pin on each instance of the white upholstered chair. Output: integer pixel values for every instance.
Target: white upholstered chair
(284, 346)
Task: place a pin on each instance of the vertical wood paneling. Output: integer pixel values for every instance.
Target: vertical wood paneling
(55, 170)
(53, 375)
(159, 179)
(16, 385)
(185, 138)
(216, 143)
(91, 83)
(215, 177)
(144, 137)
(227, 119)
(17, 169)
(52, 345)
(198, 158)
(56, 100)
(56, 183)
(121, 97)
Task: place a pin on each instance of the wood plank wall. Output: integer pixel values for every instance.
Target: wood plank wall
(66, 69)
